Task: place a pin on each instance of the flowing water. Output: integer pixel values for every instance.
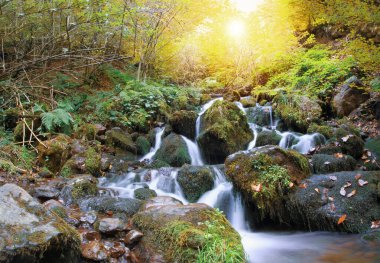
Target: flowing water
(260, 247)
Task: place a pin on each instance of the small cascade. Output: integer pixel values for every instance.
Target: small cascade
(301, 143)
(262, 116)
(252, 144)
(240, 106)
(203, 110)
(194, 152)
(148, 157)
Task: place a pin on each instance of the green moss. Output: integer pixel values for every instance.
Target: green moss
(173, 151)
(144, 193)
(7, 166)
(325, 130)
(143, 145)
(268, 138)
(83, 188)
(38, 237)
(66, 170)
(87, 131)
(92, 161)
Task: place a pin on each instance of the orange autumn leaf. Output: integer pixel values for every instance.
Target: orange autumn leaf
(351, 194)
(256, 188)
(342, 219)
(302, 186)
(358, 176)
(375, 224)
(338, 155)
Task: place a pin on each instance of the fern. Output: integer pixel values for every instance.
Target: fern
(58, 120)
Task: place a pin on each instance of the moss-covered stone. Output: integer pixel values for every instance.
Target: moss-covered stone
(123, 140)
(323, 163)
(143, 145)
(373, 145)
(183, 122)
(144, 193)
(264, 176)
(231, 96)
(92, 161)
(87, 131)
(56, 152)
(127, 206)
(325, 130)
(79, 188)
(187, 233)
(224, 131)
(173, 151)
(268, 138)
(195, 181)
(248, 102)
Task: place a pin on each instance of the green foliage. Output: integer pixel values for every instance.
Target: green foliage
(58, 120)
(375, 84)
(116, 76)
(63, 82)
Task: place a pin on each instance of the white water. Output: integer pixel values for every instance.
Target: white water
(149, 155)
(304, 142)
(240, 106)
(194, 152)
(203, 110)
(252, 144)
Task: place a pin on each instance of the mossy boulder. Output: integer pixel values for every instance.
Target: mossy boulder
(29, 233)
(79, 188)
(183, 122)
(319, 205)
(323, 163)
(325, 130)
(173, 151)
(195, 181)
(298, 112)
(127, 206)
(224, 131)
(143, 145)
(264, 175)
(90, 131)
(121, 139)
(352, 145)
(262, 116)
(186, 233)
(54, 153)
(373, 145)
(268, 138)
(144, 193)
(248, 101)
(231, 96)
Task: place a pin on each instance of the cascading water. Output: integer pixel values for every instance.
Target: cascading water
(203, 110)
(148, 157)
(194, 152)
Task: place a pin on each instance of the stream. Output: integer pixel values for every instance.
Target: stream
(260, 246)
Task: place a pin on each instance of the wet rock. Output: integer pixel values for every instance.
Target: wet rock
(173, 151)
(89, 217)
(323, 163)
(144, 193)
(133, 237)
(92, 235)
(46, 192)
(183, 122)
(87, 162)
(117, 250)
(321, 210)
(268, 138)
(94, 250)
(248, 102)
(29, 233)
(111, 225)
(103, 204)
(118, 138)
(76, 189)
(56, 207)
(349, 97)
(195, 181)
(160, 201)
(224, 131)
(45, 173)
(143, 145)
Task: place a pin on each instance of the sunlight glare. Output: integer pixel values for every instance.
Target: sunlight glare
(236, 28)
(247, 6)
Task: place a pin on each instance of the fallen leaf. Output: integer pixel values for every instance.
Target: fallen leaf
(331, 199)
(345, 138)
(348, 184)
(256, 188)
(364, 157)
(317, 190)
(338, 155)
(358, 176)
(342, 191)
(341, 219)
(369, 153)
(291, 184)
(302, 186)
(362, 182)
(367, 161)
(333, 178)
(375, 224)
(353, 192)
(326, 163)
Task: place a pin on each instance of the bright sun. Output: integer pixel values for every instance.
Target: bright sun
(247, 6)
(236, 28)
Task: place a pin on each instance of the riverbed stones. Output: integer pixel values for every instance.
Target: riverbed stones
(133, 237)
(29, 233)
(224, 131)
(111, 225)
(323, 163)
(78, 188)
(104, 204)
(183, 122)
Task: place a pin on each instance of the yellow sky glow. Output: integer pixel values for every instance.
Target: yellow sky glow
(247, 6)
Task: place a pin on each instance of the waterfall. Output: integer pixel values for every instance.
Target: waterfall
(240, 106)
(203, 110)
(301, 143)
(149, 155)
(252, 144)
(194, 152)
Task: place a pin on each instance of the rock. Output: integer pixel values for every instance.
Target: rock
(111, 225)
(298, 112)
(264, 176)
(144, 193)
(183, 122)
(89, 131)
(117, 250)
(231, 96)
(56, 207)
(29, 233)
(45, 173)
(118, 138)
(262, 116)
(195, 181)
(160, 201)
(94, 250)
(176, 233)
(46, 192)
(143, 145)
(224, 131)
(248, 102)
(80, 187)
(323, 163)
(267, 138)
(352, 145)
(173, 151)
(103, 204)
(325, 130)
(321, 210)
(90, 217)
(56, 154)
(92, 235)
(373, 144)
(133, 237)
(349, 97)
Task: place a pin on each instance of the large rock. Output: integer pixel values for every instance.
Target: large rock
(86, 162)
(264, 176)
(79, 188)
(186, 233)
(195, 181)
(104, 204)
(319, 205)
(224, 131)
(173, 151)
(29, 233)
(123, 140)
(267, 138)
(351, 94)
(324, 163)
(183, 122)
